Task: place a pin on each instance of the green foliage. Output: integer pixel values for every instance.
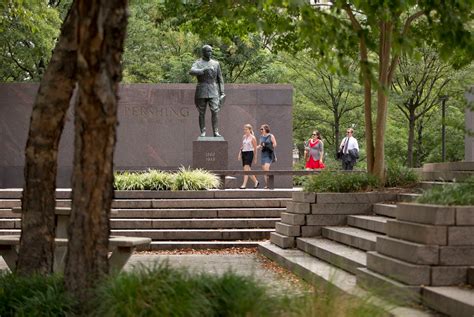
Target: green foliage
(340, 182)
(400, 176)
(184, 179)
(28, 30)
(166, 291)
(33, 296)
(197, 179)
(450, 194)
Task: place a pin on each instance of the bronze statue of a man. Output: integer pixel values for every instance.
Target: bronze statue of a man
(209, 90)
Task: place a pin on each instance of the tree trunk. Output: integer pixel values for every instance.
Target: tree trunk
(382, 99)
(369, 136)
(47, 121)
(411, 138)
(101, 32)
(337, 133)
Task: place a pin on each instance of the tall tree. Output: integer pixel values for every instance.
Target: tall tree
(46, 125)
(101, 30)
(418, 87)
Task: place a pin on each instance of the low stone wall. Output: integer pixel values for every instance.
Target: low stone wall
(308, 213)
(426, 245)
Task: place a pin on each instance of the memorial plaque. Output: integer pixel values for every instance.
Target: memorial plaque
(210, 154)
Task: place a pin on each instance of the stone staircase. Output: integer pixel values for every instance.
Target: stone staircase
(341, 253)
(176, 220)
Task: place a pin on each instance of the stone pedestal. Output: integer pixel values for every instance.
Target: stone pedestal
(210, 153)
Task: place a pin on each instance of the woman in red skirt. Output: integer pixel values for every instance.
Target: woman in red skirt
(314, 152)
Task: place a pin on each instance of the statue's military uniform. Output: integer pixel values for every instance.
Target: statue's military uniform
(208, 90)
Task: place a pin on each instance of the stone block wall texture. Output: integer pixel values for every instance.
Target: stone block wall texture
(157, 125)
(307, 213)
(427, 245)
(469, 139)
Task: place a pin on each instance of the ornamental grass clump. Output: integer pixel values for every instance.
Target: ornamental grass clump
(197, 179)
(184, 179)
(340, 182)
(460, 194)
(33, 296)
(166, 291)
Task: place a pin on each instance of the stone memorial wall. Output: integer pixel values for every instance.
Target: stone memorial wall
(157, 126)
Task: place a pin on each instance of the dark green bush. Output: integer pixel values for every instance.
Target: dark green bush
(340, 182)
(461, 194)
(400, 176)
(33, 296)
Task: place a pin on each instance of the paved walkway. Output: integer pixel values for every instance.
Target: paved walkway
(218, 262)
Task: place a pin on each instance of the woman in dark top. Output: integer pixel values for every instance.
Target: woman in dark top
(267, 146)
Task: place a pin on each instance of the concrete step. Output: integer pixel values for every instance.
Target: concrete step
(396, 292)
(322, 274)
(387, 210)
(448, 166)
(407, 197)
(426, 185)
(65, 193)
(9, 203)
(452, 300)
(10, 223)
(354, 237)
(9, 232)
(371, 223)
(175, 245)
(199, 213)
(340, 255)
(173, 203)
(191, 223)
(447, 176)
(196, 234)
(200, 203)
(8, 213)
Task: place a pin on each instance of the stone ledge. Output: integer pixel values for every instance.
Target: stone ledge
(461, 235)
(458, 255)
(282, 241)
(287, 230)
(340, 208)
(303, 197)
(410, 274)
(419, 233)
(298, 208)
(426, 214)
(407, 251)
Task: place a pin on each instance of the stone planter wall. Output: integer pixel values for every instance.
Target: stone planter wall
(307, 213)
(426, 245)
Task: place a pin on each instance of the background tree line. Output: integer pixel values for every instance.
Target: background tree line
(160, 47)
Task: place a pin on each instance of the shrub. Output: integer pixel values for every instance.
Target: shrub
(341, 182)
(166, 291)
(461, 194)
(400, 176)
(197, 179)
(33, 296)
(184, 179)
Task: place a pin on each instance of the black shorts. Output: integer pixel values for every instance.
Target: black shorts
(247, 158)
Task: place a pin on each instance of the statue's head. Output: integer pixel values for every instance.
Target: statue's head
(206, 51)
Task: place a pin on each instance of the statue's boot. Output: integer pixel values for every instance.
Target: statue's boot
(215, 122)
(202, 124)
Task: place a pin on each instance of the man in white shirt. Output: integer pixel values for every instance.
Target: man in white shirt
(350, 150)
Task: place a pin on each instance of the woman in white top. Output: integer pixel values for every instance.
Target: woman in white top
(350, 150)
(248, 154)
